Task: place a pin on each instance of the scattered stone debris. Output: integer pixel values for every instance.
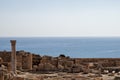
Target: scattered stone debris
(117, 78)
(21, 65)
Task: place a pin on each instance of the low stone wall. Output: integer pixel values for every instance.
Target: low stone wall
(27, 60)
(24, 59)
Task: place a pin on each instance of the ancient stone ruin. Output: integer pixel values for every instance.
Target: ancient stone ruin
(11, 61)
(13, 56)
(26, 61)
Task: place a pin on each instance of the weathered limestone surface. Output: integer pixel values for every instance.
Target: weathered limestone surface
(3, 71)
(13, 55)
(29, 61)
(12, 62)
(5, 55)
(1, 74)
(24, 60)
(1, 60)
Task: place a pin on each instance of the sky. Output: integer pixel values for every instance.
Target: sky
(59, 18)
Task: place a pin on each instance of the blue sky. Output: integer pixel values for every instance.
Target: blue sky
(69, 18)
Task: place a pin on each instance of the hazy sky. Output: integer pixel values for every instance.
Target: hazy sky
(59, 18)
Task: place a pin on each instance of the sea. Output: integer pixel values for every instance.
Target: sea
(75, 47)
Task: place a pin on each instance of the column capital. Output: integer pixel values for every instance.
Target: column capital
(13, 42)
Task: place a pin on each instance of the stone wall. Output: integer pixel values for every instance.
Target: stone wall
(24, 59)
(27, 60)
(5, 55)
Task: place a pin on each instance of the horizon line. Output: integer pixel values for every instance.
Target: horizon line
(60, 36)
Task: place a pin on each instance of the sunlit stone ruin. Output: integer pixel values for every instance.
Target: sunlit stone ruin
(22, 65)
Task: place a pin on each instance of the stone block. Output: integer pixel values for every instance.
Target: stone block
(18, 78)
(1, 60)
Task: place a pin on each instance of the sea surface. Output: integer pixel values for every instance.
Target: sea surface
(77, 47)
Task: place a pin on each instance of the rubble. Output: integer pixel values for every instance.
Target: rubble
(17, 62)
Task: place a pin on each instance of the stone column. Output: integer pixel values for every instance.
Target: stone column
(30, 61)
(13, 55)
